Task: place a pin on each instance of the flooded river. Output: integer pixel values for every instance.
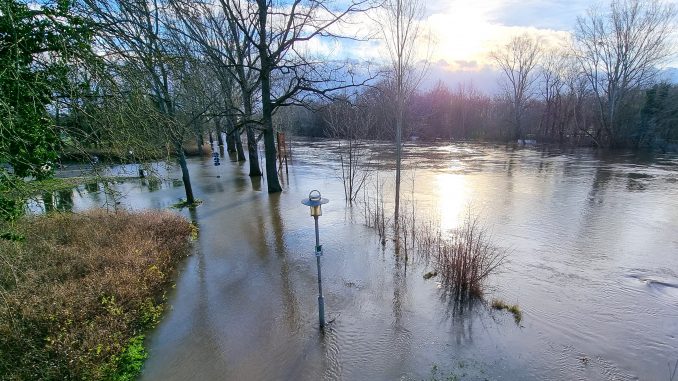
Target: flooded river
(593, 264)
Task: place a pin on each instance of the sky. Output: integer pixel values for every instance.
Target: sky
(464, 32)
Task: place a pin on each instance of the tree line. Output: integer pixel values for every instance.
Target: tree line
(648, 117)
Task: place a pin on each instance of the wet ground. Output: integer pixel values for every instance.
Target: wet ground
(593, 264)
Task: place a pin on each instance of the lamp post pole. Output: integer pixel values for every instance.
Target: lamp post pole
(318, 254)
(315, 201)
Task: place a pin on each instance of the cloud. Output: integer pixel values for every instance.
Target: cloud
(468, 30)
(484, 78)
(542, 14)
(464, 32)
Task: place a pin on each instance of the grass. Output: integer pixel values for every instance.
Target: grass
(61, 184)
(514, 309)
(80, 291)
(185, 204)
(463, 258)
(109, 155)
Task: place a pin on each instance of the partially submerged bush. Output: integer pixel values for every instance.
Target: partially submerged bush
(467, 258)
(79, 292)
(462, 259)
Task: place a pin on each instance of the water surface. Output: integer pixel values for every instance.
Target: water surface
(593, 265)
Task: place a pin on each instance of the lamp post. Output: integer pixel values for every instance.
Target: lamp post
(315, 202)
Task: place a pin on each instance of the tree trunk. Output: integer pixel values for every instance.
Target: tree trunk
(217, 127)
(271, 170)
(184, 174)
(267, 106)
(252, 152)
(238, 146)
(230, 135)
(198, 142)
(399, 157)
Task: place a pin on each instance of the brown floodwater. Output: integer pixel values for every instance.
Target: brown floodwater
(593, 263)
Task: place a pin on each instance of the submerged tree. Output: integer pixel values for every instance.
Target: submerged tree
(287, 74)
(231, 56)
(401, 33)
(350, 123)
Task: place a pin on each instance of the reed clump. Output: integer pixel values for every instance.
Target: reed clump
(80, 290)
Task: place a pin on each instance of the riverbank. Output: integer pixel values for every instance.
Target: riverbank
(80, 291)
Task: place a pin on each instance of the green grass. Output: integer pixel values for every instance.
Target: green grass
(514, 309)
(185, 204)
(111, 155)
(61, 184)
(26, 189)
(127, 365)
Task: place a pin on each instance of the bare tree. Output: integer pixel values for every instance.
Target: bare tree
(619, 51)
(286, 74)
(553, 71)
(401, 31)
(230, 54)
(349, 124)
(518, 60)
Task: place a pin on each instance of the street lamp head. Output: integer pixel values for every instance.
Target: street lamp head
(315, 201)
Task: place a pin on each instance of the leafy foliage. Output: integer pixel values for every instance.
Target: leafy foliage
(37, 44)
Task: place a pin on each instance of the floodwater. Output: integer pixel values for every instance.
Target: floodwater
(593, 263)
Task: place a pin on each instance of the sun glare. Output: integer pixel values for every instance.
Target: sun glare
(452, 199)
(466, 31)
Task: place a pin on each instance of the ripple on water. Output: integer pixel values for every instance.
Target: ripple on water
(659, 286)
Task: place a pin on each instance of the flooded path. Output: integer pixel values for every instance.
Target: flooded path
(593, 264)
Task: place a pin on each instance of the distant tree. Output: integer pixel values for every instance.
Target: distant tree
(349, 124)
(658, 123)
(552, 85)
(619, 51)
(518, 62)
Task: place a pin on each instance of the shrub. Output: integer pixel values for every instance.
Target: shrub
(467, 258)
(79, 292)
